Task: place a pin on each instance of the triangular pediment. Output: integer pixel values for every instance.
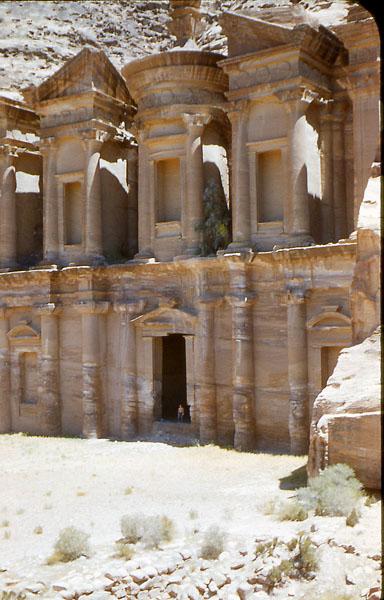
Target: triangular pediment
(167, 319)
(90, 70)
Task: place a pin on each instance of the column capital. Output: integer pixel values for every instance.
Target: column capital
(241, 299)
(93, 138)
(9, 152)
(208, 300)
(129, 308)
(294, 295)
(46, 310)
(238, 109)
(47, 144)
(195, 122)
(299, 99)
(91, 307)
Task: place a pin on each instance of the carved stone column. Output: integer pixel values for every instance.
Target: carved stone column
(205, 358)
(240, 192)
(5, 391)
(296, 103)
(297, 371)
(93, 232)
(195, 124)
(91, 367)
(242, 301)
(48, 150)
(327, 212)
(49, 384)
(339, 183)
(128, 394)
(8, 233)
(145, 219)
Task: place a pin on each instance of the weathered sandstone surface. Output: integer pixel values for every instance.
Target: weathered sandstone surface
(346, 415)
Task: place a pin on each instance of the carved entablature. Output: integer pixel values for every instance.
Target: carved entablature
(166, 320)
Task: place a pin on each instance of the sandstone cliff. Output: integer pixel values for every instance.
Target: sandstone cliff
(36, 38)
(346, 415)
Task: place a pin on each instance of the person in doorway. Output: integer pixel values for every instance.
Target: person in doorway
(180, 413)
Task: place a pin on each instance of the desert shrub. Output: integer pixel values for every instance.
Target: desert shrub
(5, 523)
(334, 492)
(149, 529)
(353, 518)
(305, 560)
(124, 550)
(70, 545)
(132, 527)
(267, 548)
(291, 511)
(193, 514)
(128, 490)
(213, 543)
(278, 573)
(269, 507)
(38, 530)
(7, 534)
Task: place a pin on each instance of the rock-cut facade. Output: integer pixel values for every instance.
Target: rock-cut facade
(182, 232)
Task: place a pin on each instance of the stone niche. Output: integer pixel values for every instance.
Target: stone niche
(182, 132)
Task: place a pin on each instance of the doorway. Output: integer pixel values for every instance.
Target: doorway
(174, 380)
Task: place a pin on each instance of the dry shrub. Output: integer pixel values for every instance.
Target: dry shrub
(151, 530)
(70, 545)
(38, 530)
(334, 492)
(352, 519)
(291, 511)
(213, 543)
(124, 550)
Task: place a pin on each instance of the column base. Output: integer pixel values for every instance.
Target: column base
(300, 240)
(244, 439)
(144, 255)
(236, 248)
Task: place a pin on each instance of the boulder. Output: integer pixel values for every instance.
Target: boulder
(346, 421)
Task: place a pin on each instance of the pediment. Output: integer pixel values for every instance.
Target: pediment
(247, 34)
(166, 319)
(90, 70)
(329, 319)
(23, 333)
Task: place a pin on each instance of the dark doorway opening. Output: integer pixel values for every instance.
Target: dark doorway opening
(174, 384)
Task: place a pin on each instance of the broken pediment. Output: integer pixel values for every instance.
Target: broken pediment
(89, 71)
(248, 34)
(165, 320)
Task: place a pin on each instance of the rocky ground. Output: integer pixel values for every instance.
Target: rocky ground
(48, 484)
(37, 37)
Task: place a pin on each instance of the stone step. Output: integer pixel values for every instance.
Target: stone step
(172, 432)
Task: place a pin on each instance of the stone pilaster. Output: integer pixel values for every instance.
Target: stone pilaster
(5, 394)
(49, 364)
(145, 202)
(339, 183)
(242, 300)
(91, 367)
(296, 102)
(327, 211)
(8, 233)
(205, 375)
(195, 124)
(93, 231)
(48, 150)
(128, 390)
(240, 192)
(297, 371)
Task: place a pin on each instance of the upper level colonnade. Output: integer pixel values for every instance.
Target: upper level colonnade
(270, 145)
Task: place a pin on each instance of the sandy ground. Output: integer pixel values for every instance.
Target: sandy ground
(54, 483)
